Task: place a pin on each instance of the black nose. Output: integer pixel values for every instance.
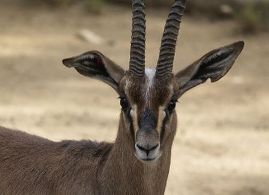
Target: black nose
(148, 148)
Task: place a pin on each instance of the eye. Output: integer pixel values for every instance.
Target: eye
(171, 106)
(124, 103)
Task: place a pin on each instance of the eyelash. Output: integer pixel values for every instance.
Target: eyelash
(124, 103)
(171, 105)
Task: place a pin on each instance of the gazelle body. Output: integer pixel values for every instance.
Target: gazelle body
(139, 160)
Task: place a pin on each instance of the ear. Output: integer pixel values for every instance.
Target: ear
(214, 65)
(95, 65)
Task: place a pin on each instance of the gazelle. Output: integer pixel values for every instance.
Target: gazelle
(139, 160)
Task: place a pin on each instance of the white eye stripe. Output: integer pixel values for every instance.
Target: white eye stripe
(161, 117)
(133, 114)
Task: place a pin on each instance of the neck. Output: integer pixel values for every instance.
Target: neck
(123, 172)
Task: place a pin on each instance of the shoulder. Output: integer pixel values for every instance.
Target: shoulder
(86, 148)
(16, 136)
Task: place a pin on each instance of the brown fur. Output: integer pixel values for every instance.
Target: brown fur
(139, 160)
(33, 165)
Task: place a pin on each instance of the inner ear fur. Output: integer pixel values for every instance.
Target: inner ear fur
(94, 64)
(214, 65)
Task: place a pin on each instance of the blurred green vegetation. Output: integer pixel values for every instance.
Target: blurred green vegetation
(252, 15)
(94, 5)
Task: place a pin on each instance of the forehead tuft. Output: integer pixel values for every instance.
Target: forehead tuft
(150, 74)
(148, 90)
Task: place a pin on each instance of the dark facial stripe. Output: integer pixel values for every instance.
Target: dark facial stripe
(147, 120)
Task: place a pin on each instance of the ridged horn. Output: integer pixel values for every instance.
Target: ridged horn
(137, 54)
(169, 40)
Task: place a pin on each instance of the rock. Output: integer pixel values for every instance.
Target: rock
(90, 37)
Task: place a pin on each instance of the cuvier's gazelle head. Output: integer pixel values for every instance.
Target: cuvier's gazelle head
(148, 96)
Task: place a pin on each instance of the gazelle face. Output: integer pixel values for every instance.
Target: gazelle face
(148, 105)
(148, 96)
(148, 102)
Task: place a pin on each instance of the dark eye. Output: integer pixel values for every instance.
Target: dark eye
(171, 106)
(124, 103)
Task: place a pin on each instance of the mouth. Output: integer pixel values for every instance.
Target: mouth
(147, 156)
(149, 159)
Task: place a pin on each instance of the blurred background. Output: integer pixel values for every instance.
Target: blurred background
(222, 144)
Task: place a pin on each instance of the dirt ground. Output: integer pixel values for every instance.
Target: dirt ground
(222, 144)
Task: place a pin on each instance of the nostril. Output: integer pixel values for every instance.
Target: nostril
(141, 148)
(148, 148)
(154, 147)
